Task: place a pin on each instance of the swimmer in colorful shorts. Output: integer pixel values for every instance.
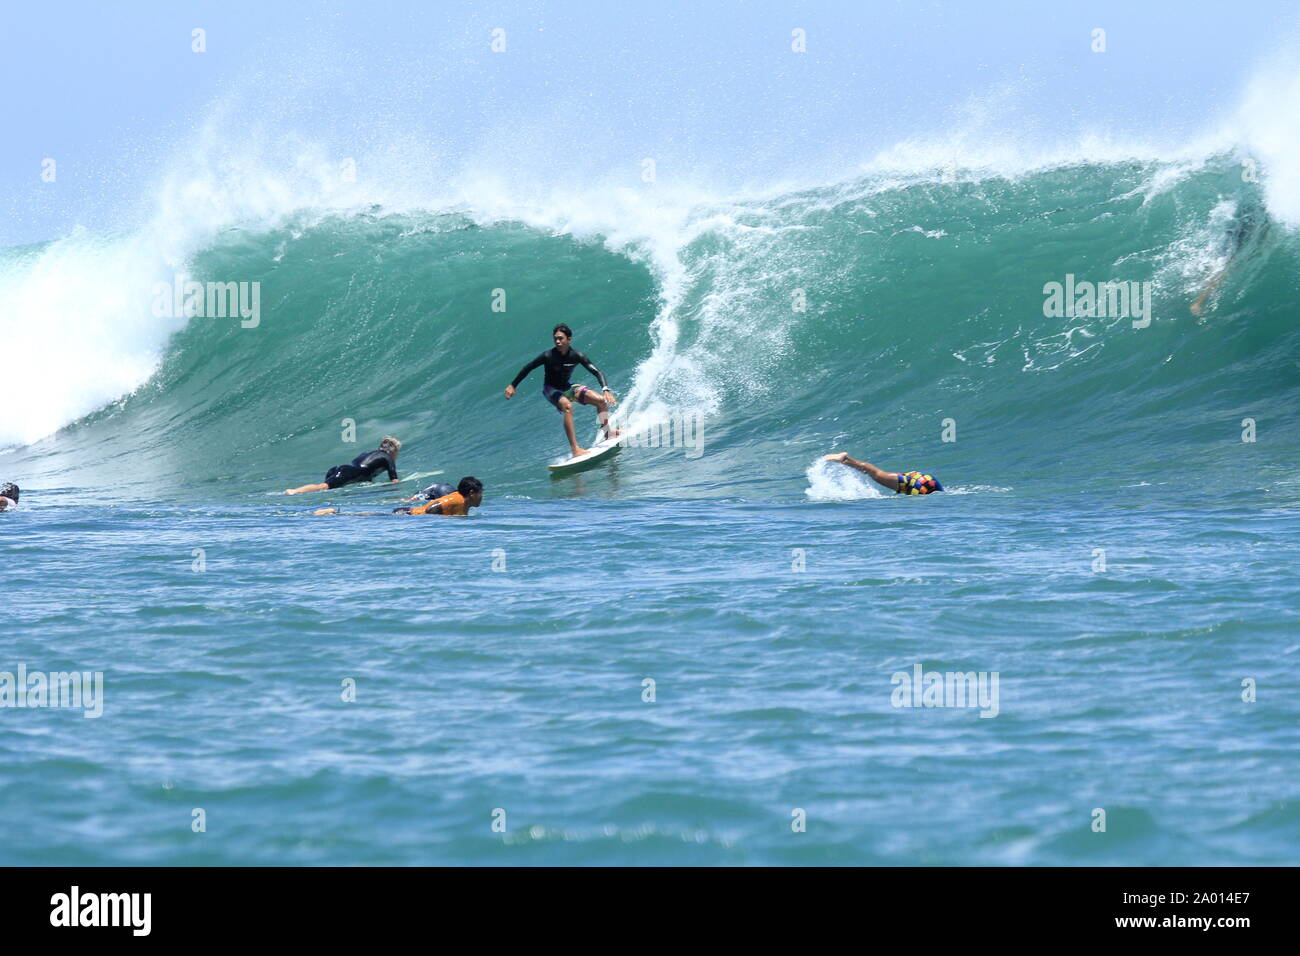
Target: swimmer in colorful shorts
(905, 483)
(363, 468)
(468, 494)
(8, 496)
(560, 363)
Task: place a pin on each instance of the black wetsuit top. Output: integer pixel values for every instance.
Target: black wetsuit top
(559, 368)
(372, 462)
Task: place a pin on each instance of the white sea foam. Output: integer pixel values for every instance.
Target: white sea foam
(828, 481)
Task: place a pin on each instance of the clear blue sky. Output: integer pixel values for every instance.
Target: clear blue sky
(113, 92)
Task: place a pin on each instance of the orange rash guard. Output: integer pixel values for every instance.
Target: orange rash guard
(452, 504)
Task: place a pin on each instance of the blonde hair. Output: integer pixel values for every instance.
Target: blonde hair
(390, 445)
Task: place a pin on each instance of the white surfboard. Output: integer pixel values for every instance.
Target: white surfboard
(379, 484)
(421, 475)
(602, 450)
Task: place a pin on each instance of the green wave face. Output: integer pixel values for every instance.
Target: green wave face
(871, 316)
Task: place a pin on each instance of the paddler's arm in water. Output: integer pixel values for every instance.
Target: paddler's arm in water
(523, 374)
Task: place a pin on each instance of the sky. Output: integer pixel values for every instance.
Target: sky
(586, 90)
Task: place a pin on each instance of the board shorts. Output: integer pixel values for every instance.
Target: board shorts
(915, 483)
(341, 475)
(574, 394)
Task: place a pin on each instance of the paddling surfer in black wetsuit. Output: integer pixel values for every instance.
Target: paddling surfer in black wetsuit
(363, 468)
(560, 363)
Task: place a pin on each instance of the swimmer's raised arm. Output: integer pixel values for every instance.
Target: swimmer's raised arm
(843, 458)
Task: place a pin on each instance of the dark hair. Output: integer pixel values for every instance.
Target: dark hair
(562, 328)
(469, 486)
(9, 490)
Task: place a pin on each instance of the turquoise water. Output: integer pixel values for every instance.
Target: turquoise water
(1109, 545)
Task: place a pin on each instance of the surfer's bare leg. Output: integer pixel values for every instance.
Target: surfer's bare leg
(888, 479)
(326, 511)
(602, 406)
(1199, 305)
(566, 407)
(319, 486)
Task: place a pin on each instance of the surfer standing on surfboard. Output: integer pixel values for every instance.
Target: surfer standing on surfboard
(560, 363)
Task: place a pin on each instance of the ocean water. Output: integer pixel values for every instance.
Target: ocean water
(690, 655)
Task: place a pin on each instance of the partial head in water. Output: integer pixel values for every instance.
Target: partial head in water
(9, 490)
(471, 489)
(390, 446)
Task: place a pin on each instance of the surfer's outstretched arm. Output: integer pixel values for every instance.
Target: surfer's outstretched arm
(889, 479)
(523, 374)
